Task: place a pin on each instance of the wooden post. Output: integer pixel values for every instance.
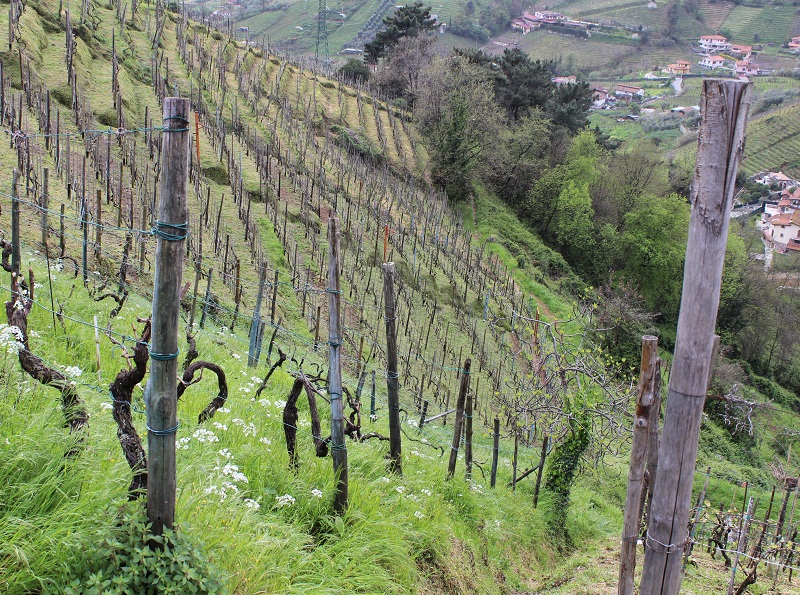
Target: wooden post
(392, 384)
(16, 257)
(652, 447)
(45, 206)
(540, 470)
(98, 224)
(468, 438)
(741, 546)
(85, 247)
(372, 411)
(459, 420)
(641, 421)
(206, 299)
(255, 326)
(338, 447)
(495, 450)
(697, 512)
(274, 299)
(720, 143)
(161, 392)
(423, 415)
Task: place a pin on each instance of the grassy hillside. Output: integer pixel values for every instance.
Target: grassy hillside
(281, 149)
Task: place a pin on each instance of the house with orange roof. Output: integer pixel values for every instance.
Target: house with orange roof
(680, 68)
(785, 230)
(794, 44)
(629, 91)
(746, 68)
(741, 51)
(712, 62)
(714, 43)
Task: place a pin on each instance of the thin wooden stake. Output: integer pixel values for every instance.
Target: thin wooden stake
(459, 420)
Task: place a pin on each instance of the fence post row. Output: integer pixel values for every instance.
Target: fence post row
(161, 392)
(719, 149)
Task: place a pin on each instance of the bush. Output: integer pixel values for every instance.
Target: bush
(118, 560)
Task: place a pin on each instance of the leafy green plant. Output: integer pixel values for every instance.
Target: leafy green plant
(126, 558)
(561, 474)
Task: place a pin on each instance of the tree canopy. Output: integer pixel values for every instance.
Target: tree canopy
(407, 21)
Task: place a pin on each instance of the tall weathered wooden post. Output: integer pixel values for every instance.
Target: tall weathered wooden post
(459, 420)
(391, 369)
(719, 149)
(338, 447)
(641, 422)
(161, 393)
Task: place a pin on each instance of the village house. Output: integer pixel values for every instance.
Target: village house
(746, 68)
(712, 62)
(629, 92)
(680, 68)
(785, 230)
(549, 16)
(712, 44)
(564, 80)
(787, 202)
(794, 44)
(741, 51)
(599, 96)
(780, 179)
(526, 23)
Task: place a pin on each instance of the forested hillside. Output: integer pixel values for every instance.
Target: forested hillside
(494, 204)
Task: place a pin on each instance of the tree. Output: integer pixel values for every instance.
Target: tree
(568, 107)
(522, 84)
(653, 241)
(407, 21)
(456, 111)
(405, 62)
(516, 159)
(354, 71)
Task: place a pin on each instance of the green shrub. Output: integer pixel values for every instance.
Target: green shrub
(118, 559)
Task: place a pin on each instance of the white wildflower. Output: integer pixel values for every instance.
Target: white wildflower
(225, 453)
(236, 356)
(426, 492)
(203, 435)
(264, 402)
(385, 479)
(106, 406)
(183, 443)
(285, 500)
(250, 503)
(400, 489)
(316, 493)
(265, 440)
(223, 410)
(244, 389)
(73, 371)
(413, 423)
(220, 426)
(418, 514)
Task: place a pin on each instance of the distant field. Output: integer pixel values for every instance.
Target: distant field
(773, 142)
(715, 14)
(772, 24)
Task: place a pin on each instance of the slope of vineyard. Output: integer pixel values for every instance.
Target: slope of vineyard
(277, 150)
